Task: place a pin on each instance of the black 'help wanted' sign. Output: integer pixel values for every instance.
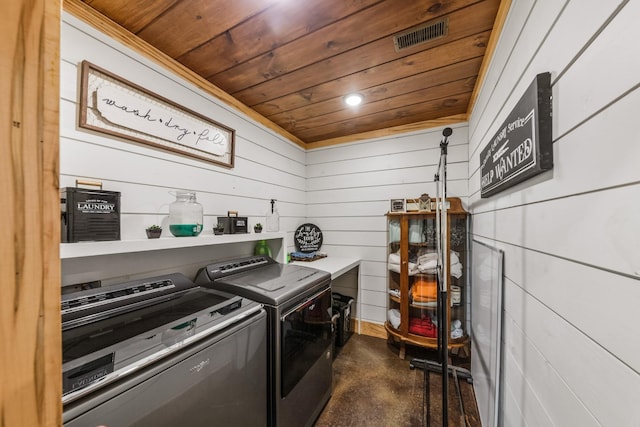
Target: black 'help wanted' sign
(522, 147)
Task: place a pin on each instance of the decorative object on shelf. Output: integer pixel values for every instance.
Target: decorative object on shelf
(413, 205)
(234, 224)
(185, 215)
(425, 203)
(273, 218)
(397, 205)
(257, 228)
(262, 248)
(154, 231)
(218, 229)
(115, 106)
(89, 215)
(458, 234)
(306, 256)
(308, 238)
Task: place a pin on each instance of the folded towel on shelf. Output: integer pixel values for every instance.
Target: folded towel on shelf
(424, 289)
(394, 317)
(456, 270)
(456, 329)
(303, 254)
(394, 264)
(456, 333)
(428, 263)
(423, 326)
(427, 304)
(394, 258)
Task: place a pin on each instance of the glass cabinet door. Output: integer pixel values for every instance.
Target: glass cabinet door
(394, 273)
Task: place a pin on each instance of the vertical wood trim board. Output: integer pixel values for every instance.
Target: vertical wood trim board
(30, 354)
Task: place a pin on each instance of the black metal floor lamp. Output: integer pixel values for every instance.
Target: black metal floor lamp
(442, 241)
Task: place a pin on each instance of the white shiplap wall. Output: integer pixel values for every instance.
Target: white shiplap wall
(570, 236)
(571, 353)
(266, 164)
(349, 188)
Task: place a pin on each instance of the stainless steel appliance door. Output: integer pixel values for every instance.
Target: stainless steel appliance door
(305, 360)
(218, 381)
(306, 334)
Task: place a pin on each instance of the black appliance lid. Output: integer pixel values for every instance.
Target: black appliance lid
(273, 284)
(174, 314)
(99, 303)
(97, 349)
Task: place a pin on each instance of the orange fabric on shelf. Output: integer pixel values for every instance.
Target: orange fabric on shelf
(424, 289)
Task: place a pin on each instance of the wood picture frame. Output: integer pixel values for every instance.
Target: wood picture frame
(117, 107)
(412, 205)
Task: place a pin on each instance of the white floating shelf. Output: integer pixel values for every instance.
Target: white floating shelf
(88, 249)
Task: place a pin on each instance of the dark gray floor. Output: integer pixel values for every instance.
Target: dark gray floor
(372, 386)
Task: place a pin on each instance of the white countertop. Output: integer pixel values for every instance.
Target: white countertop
(335, 265)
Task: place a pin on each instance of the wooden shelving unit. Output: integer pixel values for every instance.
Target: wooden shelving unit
(410, 235)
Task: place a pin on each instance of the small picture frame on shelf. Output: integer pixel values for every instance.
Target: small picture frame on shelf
(413, 205)
(397, 205)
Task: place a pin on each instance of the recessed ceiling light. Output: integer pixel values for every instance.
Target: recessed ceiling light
(353, 99)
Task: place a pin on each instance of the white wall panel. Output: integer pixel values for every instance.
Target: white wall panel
(566, 234)
(607, 387)
(381, 147)
(373, 313)
(404, 175)
(349, 190)
(266, 164)
(376, 298)
(515, 22)
(595, 234)
(374, 283)
(604, 72)
(407, 159)
(385, 192)
(533, 413)
(350, 223)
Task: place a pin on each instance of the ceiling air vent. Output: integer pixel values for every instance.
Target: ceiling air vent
(423, 33)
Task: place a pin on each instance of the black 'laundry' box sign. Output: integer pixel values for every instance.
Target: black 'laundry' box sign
(89, 215)
(522, 147)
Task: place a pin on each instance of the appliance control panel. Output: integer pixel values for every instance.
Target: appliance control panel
(226, 268)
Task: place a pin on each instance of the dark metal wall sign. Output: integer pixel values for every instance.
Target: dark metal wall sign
(308, 238)
(522, 148)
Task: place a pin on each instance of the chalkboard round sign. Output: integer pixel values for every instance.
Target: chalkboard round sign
(308, 238)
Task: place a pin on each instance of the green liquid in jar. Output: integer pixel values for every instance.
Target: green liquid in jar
(182, 230)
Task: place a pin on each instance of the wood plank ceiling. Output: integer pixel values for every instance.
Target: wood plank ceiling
(293, 61)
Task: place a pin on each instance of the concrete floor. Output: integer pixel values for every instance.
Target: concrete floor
(372, 386)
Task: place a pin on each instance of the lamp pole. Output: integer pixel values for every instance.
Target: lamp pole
(442, 270)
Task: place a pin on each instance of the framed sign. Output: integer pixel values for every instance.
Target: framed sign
(412, 205)
(397, 205)
(117, 107)
(522, 148)
(308, 238)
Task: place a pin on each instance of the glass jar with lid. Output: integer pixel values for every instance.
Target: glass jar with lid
(185, 215)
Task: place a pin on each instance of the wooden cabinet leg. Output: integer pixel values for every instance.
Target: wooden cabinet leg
(402, 350)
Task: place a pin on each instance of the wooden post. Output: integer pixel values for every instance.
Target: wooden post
(30, 336)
